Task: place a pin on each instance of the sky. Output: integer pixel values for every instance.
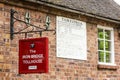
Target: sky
(117, 1)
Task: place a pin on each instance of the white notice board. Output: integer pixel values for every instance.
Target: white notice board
(71, 38)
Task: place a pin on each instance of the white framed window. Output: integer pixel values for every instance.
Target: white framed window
(105, 45)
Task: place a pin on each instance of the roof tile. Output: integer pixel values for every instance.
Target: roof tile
(105, 8)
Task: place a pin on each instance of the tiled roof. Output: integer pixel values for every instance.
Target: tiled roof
(103, 8)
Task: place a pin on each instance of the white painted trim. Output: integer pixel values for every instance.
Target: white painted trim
(105, 27)
(112, 45)
(109, 64)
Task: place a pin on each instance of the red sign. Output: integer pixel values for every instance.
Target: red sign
(33, 55)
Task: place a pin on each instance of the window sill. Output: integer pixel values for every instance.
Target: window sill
(110, 67)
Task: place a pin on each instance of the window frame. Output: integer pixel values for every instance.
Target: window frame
(111, 46)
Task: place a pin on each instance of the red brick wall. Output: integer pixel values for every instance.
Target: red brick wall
(59, 68)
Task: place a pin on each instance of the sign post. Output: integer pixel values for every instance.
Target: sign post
(33, 55)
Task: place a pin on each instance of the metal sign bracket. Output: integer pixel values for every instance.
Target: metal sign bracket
(13, 19)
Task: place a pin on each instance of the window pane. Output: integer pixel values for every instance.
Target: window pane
(108, 57)
(107, 34)
(107, 45)
(101, 56)
(100, 33)
(100, 44)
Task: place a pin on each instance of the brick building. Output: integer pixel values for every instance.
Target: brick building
(84, 43)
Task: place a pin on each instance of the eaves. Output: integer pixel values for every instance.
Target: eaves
(65, 8)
